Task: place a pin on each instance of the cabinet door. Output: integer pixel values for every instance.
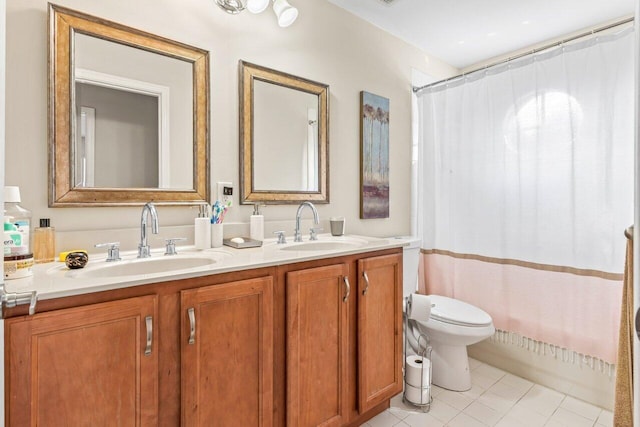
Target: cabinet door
(227, 354)
(379, 330)
(94, 365)
(317, 346)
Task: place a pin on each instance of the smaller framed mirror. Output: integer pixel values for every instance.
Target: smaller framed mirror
(284, 143)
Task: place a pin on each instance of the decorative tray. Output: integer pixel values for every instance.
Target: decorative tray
(248, 243)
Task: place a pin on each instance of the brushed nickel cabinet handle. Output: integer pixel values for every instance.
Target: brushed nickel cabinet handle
(366, 279)
(192, 325)
(149, 321)
(348, 289)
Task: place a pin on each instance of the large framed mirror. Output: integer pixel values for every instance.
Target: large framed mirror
(284, 143)
(128, 115)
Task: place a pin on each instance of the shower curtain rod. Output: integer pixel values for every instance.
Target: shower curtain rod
(628, 232)
(531, 52)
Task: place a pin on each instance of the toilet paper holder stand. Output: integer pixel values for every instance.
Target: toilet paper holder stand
(425, 352)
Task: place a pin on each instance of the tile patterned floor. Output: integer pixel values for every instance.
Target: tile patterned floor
(499, 399)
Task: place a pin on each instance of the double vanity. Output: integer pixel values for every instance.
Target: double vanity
(294, 334)
(297, 333)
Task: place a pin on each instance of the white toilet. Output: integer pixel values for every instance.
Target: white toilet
(453, 326)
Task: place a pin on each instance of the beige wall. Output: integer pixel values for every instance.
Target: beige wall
(326, 44)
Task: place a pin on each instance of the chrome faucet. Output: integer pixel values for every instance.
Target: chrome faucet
(297, 236)
(144, 250)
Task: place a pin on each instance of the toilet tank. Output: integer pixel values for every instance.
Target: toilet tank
(410, 263)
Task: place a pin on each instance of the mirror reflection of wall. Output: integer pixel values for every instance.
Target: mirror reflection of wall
(285, 138)
(119, 128)
(142, 107)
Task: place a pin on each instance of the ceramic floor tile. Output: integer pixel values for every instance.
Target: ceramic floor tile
(496, 402)
(474, 392)
(435, 390)
(526, 417)
(422, 420)
(496, 398)
(474, 363)
(489, 371)
(442, 411)
(399, 413)
(464, 420)
(516, 382)
(579, 407)
(506, 391)
(605, 418)
(455, 399)
(510, 421)
(569, 419)
(484, 414)
(542, 400)
(480, 380)
(384, 419)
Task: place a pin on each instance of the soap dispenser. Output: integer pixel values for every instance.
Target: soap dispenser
(256, 224)
(44, 242)
(202, 229)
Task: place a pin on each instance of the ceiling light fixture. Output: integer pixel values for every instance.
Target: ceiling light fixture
(285, 13)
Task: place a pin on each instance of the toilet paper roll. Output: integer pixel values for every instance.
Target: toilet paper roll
(419, 307)
(417, 371)
(419, 396)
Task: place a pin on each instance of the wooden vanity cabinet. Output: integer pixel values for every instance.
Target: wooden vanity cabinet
(317, 345)
(227, 354)
(343, 343)
(379, 330)
(84, 366)
(294, 345)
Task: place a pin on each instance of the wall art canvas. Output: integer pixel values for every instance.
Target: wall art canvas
(374, 156)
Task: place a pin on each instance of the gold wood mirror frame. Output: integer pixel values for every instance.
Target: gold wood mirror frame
(63, 25)
(251, 75)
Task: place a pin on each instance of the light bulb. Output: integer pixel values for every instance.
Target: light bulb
(257, 6)
(285, 13)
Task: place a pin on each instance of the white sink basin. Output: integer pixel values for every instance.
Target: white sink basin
(154, 265)
(325, 244)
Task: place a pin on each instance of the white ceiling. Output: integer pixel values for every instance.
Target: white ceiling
(465, 32)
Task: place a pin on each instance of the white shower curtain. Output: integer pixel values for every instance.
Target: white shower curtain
(526, 187)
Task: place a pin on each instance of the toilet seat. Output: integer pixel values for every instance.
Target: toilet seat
(455, 312)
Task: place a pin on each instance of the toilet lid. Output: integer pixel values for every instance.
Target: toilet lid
(449, 310)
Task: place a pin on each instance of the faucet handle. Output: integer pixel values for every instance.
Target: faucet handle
(281, 238)
(313, 233)
(170, 248)
(113, 250)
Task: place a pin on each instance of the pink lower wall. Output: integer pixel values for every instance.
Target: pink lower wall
(581, 313)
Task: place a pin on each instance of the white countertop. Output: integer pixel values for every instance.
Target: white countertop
(55, 280)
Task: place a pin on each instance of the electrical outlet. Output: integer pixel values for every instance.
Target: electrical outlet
(225, 193)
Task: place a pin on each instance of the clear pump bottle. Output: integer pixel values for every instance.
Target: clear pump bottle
(18, 238)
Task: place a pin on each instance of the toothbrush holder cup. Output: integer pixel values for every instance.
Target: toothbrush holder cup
(337, 224)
